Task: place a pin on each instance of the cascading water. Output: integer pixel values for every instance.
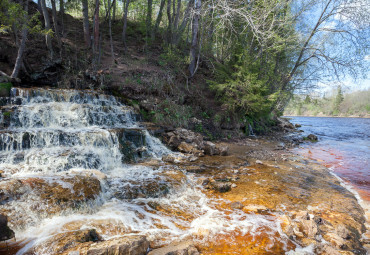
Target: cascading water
(68, 163)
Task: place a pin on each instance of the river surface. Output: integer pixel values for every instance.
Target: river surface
(343, 147)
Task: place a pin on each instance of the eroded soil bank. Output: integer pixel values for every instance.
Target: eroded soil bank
(261, 199)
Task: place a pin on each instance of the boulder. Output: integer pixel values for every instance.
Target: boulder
(298, 125)
(312, 137)
(20, 198)
(186, 147)
(133, 245)
(190, 149)
(5, 232)
(210, 148)
(223, 150)
(182, 248)
(221, 187)
(185, 141)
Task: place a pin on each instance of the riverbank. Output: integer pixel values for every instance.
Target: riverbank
(328, 116)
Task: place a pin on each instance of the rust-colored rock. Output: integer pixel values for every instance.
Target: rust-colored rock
(128, 245)
(182, 248)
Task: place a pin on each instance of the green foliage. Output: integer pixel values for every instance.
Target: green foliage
(6, 114)
(173, 58)
(6, 85)
(242, 89)
(12, 17)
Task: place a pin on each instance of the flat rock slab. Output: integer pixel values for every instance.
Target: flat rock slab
(182, 248)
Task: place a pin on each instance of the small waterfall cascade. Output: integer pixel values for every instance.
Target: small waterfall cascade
(72, 160)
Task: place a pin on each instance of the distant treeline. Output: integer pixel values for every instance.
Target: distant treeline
(354, 104)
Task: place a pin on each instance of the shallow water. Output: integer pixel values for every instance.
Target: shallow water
(343, 146)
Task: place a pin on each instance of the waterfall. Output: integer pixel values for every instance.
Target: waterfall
(69, 161)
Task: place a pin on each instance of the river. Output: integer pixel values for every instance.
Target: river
(343, 147)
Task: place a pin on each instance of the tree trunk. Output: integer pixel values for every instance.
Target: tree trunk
(149, 20)
(19, 60)
(85, 12)
(61, 13)
(56, 28)
(125, 12)
(158, 20)
(96, 25)
(169, 28)
(39, 8)
(114, 10)
(110, 30)
(47, 27)
(194, 40)
(184, 22)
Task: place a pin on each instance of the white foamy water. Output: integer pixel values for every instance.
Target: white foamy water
(52, 136)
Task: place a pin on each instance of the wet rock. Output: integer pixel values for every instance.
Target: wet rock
(67, 242)
(186, 147)
(170, 158)
(236, 205)
(259, 162)
(135, 245)
(49, 195)
(184, 140)
(285, 124)
(210, 148)
(223, 150)
(298, 125)
(90, 173)
(150, 188)
(182, 248)
(190, 149)
(5, 232)
(326, 249)
(221, 186)
(312, 137)
(305, 225)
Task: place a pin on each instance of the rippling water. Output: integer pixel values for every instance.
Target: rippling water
(343, 146)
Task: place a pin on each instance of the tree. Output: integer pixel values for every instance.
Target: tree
(96, 30)
(19, 60)
(158, 20)
(338, 100)
(194, 40)
(56, 28)
(149, 20)
(126, 4)
(47, 28)
(333, 46)
(85, 12)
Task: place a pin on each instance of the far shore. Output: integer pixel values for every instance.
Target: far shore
(327, 116)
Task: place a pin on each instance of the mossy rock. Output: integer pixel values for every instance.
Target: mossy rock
(5, 88)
